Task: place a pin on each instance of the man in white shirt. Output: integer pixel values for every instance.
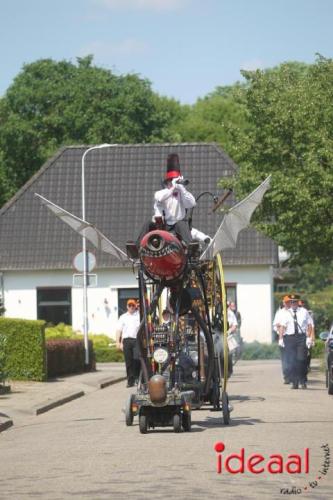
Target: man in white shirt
(285, 304)
(127, 329)
(173, 200)
(294, 329)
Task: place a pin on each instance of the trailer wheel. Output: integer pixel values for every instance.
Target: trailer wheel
(128, 411)
(186, 421)
(177, 425)
(143, 424)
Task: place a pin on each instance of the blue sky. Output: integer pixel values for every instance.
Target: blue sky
(184, 47)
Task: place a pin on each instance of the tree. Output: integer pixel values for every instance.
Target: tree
(52, 104)
(215, 118)
(291, 137)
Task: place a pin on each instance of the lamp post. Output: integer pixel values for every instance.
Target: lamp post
(84, 253)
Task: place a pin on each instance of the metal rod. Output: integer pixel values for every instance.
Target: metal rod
(84, 253)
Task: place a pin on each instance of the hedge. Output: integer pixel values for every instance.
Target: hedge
(104, 347)
(257, 350)
(67, 356)
(24, 348)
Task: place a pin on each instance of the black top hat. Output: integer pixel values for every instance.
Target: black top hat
(173, 167)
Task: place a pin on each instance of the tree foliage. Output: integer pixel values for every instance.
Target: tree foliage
(218, 117)
(291, 137)
(52, 104)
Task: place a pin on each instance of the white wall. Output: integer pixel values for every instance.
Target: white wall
(254, 300)
(21, 297)
(254, 297)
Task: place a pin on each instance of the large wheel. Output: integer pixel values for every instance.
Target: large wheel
(186, 421)
(128, 410)
(225, 408)
(143, 424)
(218, 310)
(176, 422)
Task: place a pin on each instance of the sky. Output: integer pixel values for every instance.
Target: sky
(186, 48)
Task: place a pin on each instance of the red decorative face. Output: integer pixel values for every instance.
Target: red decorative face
(162, 255)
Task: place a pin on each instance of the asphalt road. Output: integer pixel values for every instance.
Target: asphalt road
(84, 450)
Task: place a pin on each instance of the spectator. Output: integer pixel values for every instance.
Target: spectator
(276, 324)
(127, 329)
(294, 335)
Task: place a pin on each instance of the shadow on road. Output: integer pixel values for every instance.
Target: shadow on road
(241, 399)
(211, 422)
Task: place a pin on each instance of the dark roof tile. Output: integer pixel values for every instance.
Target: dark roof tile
(120, 184)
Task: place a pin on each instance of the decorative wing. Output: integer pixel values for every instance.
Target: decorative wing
(236, 219)
(85, 229)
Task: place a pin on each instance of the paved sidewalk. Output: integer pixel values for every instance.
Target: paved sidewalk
(33, 398)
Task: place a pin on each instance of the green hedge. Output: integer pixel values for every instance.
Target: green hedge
(66, 356)
(108, 355)
(104, 347)
(257, 350)
(318, 349)
(24, 346)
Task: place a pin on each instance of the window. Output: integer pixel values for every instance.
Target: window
(123, 295)
(231, 292)
(54, 305)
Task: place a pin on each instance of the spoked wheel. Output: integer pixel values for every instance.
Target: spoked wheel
(143, 424)
(176, 422)
(128, 410)
(225, 408)
(186, 421)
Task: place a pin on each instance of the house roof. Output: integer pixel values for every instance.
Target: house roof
(120, 184)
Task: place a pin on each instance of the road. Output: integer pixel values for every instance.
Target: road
(84, 450)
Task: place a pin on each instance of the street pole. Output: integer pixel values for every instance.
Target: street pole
(84, 253)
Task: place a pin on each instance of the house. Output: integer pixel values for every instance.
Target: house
(38, 250)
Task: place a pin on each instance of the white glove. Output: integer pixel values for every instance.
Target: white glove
(309, 342)
(281, 343)
(174, 182)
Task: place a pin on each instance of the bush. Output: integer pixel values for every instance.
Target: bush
(24, 348)
(65, 356)
(60, 331)
(3, 373)
(108, 355)
(104, 347)
(318, 349)
(257, 350)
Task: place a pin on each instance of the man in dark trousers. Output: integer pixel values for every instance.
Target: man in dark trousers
(127, 329)
(294, 328)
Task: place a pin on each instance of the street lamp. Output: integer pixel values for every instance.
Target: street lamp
(84, 253)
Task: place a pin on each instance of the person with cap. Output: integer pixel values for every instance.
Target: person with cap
(276, 324)
(171, 204)
(294, 330)
(173, 200)
(310, 341)
(127, 329)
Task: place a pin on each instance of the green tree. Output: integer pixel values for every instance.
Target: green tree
(215, 118)
(291, 137)
(52, 104)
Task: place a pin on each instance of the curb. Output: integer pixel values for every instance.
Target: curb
(49, 405)
(5, 425)
(110, 381)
